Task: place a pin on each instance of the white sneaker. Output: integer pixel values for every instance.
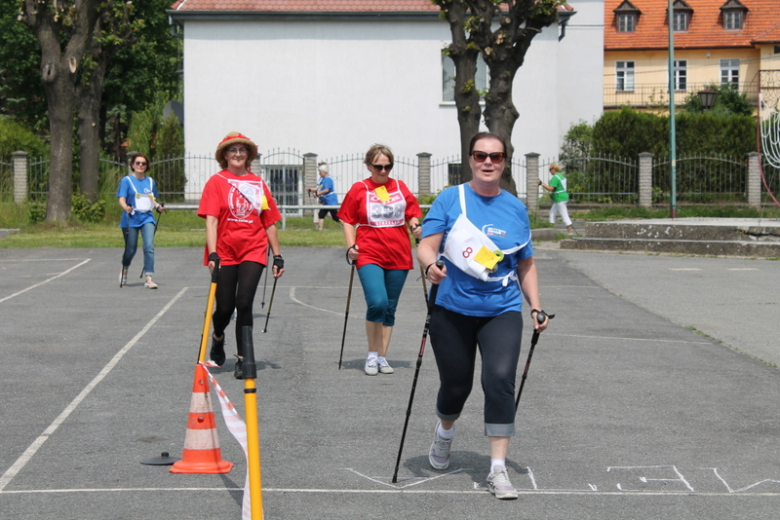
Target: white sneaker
(372, 368)
(123, 276)
(150, 283)
(385, 368)
(498, 484)
(439, 454)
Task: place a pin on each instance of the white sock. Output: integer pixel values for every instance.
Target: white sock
(372, 355)
(380, 359)
(445, 434)
(496, 463)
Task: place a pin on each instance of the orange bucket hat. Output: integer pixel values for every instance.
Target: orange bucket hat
(236, 138)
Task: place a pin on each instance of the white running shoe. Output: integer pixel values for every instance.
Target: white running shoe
(371, 368)
(385, 368)
(499, 485)
(150, 283)
(123, 276)
(439, 454)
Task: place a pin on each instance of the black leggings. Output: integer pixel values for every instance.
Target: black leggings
(236, 288)
(454, 339)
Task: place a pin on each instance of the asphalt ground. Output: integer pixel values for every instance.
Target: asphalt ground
(627, 412)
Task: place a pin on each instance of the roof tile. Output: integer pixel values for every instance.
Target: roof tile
(762, 24)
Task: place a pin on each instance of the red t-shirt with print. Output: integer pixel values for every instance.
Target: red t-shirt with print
(235, 201)
(382, 237)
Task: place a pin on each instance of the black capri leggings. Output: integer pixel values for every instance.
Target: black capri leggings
(236, 287)
(454, 339)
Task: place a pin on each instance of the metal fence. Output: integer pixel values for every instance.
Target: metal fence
(179, 179)
(599, 179)
(716, 178)
(6, 180)
(657, 95)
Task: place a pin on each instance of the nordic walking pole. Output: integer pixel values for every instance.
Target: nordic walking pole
(270, 304)
(346, 313)
(252, 429)
(156, 223)
(540, 318)
(265, 283)
(204, 338)
(431, 302)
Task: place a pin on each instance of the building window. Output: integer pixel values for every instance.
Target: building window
(448, 78)
(681, 75)
(680, 22)
(732, 20)
(624, 71)
(729, 72)
(627, 22)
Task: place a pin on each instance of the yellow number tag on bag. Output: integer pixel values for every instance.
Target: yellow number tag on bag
(487, 258)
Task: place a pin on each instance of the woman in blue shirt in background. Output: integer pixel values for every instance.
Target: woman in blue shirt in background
(137, 195)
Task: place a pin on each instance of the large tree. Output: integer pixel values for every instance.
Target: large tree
(114, 29)
(502, 31)
(63, 30)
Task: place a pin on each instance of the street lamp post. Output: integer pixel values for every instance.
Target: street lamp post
(706, 98)
(672, 128)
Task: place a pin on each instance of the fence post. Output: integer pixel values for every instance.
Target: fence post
(423, 173)
(753, 181)
(309, 176)
(531, 182)
(20, 176)
(645, 179)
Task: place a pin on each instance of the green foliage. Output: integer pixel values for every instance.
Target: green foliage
(84, 210)
(728, 101)
(36, 211)
(22, 97)
(627, 133)
(15, 137)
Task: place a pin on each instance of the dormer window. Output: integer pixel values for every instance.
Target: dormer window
(681, 16)
(626, 16)
(733, 15)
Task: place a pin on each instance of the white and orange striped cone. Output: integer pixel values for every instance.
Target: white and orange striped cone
(201, 452)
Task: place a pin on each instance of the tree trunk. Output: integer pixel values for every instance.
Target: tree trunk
(58, 83)
(464, 54)
(63, 31)
(90, 94)
(501, 114)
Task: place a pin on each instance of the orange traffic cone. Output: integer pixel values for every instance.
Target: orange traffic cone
(201, 446)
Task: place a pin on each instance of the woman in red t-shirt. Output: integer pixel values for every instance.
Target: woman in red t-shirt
(240, 214)
(374, 212)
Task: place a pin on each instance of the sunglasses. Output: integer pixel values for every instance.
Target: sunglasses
(234, 151)
(494, 157)
(140, 163)
(381, 167)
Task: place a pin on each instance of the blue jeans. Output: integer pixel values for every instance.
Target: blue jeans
(382, 289)
(131, 245)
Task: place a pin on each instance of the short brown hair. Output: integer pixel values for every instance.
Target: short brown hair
(378, 149)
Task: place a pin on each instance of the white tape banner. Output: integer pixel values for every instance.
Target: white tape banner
(237, 427)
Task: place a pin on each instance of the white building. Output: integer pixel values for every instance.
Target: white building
(332, 77)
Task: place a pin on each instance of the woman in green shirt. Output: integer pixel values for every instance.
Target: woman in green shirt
(560, 197)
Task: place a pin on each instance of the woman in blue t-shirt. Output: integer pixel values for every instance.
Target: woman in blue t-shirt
(484, 238)
(137, 195)
(326, 193)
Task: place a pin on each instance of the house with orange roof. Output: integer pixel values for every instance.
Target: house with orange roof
(715, 41)
(332, 77)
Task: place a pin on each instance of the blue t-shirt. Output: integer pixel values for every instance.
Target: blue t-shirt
(504, 219)
(144, 188)
(330, 198)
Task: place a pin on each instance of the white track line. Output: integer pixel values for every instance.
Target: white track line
(616, 338)
(35, 446)
(46, 281)
(299, 302)
(526, 492)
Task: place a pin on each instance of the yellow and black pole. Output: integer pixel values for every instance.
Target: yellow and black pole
(204, 338)
(252, 433)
